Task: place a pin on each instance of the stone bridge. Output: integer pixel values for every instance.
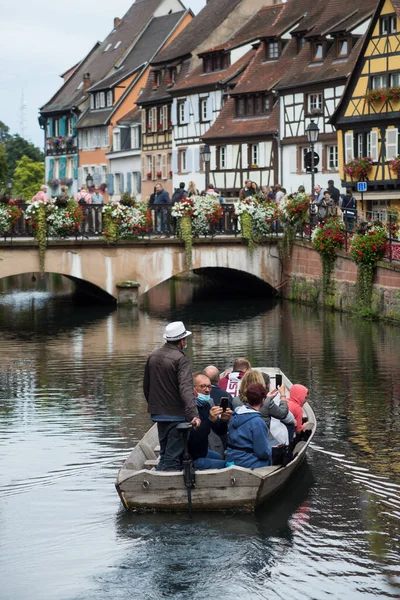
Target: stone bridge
(148, 262)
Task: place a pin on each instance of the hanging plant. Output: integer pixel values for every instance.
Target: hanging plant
(36, 214)
(184, 211)
(293, 213)
(65, 218)
(392, 223)
(394, 165)
(245, 210)
(327, 238)
(365, 250)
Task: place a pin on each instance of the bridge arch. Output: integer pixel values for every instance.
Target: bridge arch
(147, 262)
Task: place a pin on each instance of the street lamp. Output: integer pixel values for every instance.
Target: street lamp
(9, 186)
(89, 181)
(312, 133)
(205, 154)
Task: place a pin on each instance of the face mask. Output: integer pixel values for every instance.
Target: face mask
(203, 398)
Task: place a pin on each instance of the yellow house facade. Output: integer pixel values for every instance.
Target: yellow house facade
(368, 117)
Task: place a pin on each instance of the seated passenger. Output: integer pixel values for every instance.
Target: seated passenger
(231, 381)
(216, 391)
(298, 396)
(248, 444)
(211, 417)
(250, 377)
(277, 415)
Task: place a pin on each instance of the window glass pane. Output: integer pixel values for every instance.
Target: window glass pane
(343, 48)
(393, 24)
(395, 79)
(317, 51)
(273, 50)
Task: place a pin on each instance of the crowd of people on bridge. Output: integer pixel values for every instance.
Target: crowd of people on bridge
(236, 418)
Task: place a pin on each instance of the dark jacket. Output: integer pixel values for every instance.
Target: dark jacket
(178, 195)
(162, 198)
(349, 206)
(248, 439)
(198, 438)
(335, 194)
(168, 383)
(217, 393)
(245, 193)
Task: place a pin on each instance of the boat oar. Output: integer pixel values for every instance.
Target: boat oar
(188, 467)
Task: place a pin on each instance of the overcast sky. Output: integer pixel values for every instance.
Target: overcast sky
(41, 39)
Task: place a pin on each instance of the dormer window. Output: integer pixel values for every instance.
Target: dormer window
(156, 78)
(388, 25)
(342, 48)
(300, 44)
(216, 62)
(171, 75)
(272, 50)
(254, 105)
(317, 51)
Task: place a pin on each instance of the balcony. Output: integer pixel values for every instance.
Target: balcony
(61, 150)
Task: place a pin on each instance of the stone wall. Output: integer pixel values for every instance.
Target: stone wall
(305, 283)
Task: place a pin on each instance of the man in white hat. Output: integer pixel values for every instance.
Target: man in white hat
(168, 388)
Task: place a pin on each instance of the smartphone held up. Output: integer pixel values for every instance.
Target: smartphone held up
(224, 403)
(278, 380)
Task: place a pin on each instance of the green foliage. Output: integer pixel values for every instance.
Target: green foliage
(16, 148)
(327, 238)
(4, 132)
(246, 224)
(41, 235)
(3, 166)
(185, 232)
(28, 177)
(286, 242)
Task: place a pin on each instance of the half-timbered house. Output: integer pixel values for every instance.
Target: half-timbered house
(161, 157)
(328, 41)
(368, 117)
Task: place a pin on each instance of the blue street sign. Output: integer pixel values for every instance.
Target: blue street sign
(362, 186)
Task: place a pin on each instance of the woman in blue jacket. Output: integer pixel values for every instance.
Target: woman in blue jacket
(248, 433)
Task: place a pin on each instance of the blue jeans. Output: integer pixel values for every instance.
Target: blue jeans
(162, 220)
(171, 446)
(213, 460)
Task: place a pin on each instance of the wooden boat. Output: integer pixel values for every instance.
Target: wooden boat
(142, 488)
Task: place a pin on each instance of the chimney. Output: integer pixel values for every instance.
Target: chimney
(86, 82)
(117, 21)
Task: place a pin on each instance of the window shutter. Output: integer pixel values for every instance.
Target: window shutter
(63, 167)
(51, 128)
(261, 155)
(75, 167)
(196, 106)
(154, 124)
(110, 183)
(129, 182)
(392, 136)
(374, 145)
(164, 166)
(73, 123)
(175, 161)
(210, 109)
(348, 147)
(125, 139)
(165, 116)
(80, 176)
(51, 168)
(143, 120)
(189, 160)
(143, 167)
(174, 114)
(63, 126)
(186, 112)
(139, 182)
(196, 160)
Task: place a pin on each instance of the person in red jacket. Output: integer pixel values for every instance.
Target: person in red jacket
(298, 396)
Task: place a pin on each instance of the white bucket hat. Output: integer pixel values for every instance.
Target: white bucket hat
(175, 331)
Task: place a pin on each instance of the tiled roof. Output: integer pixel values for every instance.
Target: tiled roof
(269, 21)
(94, 117)
(198, 79)
(227, 126)
(143, 51)
(101, 61)
(303, 72)
(133, 116)
(261, 74)
(161, 93)
(331, 20)
(206, 21)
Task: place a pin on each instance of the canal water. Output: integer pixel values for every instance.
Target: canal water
(72, 407)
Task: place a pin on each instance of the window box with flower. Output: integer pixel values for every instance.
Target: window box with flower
(359, 168)
(148, 175)
(383, 95)
(394, 165)
(159, 174)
